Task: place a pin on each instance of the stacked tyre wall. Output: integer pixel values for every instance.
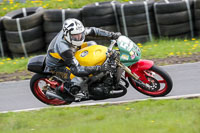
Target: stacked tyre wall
(53, 21)
(3, 43)
(174, 18)
(197, 17)
(23, 30)
(102, 15)
(137, 20)
(29, 30)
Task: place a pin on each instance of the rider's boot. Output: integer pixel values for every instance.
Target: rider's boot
(64, 92)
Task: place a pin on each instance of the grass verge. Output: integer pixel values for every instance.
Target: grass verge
(46, 4)
(164, 48)
(163, 116)
(8, 65)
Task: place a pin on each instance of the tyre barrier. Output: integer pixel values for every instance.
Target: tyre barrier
(30, 46)
(176, 22)
(1, 23)
(53, 21)
(102, 40)
(99, 14)
(28, 35)
(3, 43)
(140, 20)
(102, 15)
(197, 17)
(137, 20)
(23, 29)
(58, 15)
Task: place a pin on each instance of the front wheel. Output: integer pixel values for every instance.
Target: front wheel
(159, 82)
(38, 85)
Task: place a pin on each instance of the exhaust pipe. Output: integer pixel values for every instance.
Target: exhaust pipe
(53, 95)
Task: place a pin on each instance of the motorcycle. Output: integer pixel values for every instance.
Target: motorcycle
(125, 65)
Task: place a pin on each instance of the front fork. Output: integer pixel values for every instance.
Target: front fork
(126, 69)
(134, 76)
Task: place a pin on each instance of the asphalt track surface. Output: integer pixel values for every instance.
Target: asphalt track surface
(16, 95)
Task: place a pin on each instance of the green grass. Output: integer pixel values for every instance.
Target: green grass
(163, 48)
(163, 116)
(8, 65)
(47, 4)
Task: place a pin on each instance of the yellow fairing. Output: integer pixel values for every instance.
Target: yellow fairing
(92, 55)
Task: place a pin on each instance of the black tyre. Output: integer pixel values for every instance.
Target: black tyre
(171, 7)
(98, 21)
(161, 83)
(112, 28)
(1, 23)
(55, 15)
(99, 40)
(170, 30)
(139, 30)
(49, 37)
(33, 19)
(196, 4)
(100, 9)
(31, 46)
(27, 35)
(5, 48)
(197, 14)
(138, 19)
(2, 35)
(196, 25)
(134, 8)
(38, 81)
(52, 26)
(197, 33)
(140, 39)
(173, 18)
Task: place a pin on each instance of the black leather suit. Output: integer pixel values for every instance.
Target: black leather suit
(66, 51)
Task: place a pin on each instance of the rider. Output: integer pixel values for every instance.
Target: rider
(62, 48)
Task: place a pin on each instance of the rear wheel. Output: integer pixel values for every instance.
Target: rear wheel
(39, 84)
(159, 81)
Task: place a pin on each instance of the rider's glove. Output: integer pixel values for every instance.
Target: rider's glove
(103, 68)
(116, 35)
(115, 55)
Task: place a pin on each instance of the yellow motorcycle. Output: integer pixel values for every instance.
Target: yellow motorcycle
(125, 64)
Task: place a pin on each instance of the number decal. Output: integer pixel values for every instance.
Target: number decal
(127, 46)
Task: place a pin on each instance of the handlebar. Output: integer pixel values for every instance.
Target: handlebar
(110, 48)
(113, 42)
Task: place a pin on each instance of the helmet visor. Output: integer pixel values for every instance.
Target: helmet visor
(78, 37)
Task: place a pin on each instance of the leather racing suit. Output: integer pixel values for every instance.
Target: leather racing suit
(61, 53)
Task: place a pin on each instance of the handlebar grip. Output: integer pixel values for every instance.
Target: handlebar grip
(113, 42)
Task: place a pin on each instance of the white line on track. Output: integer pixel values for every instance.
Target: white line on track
(117, 102)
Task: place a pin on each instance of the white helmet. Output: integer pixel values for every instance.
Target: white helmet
(73, 31)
